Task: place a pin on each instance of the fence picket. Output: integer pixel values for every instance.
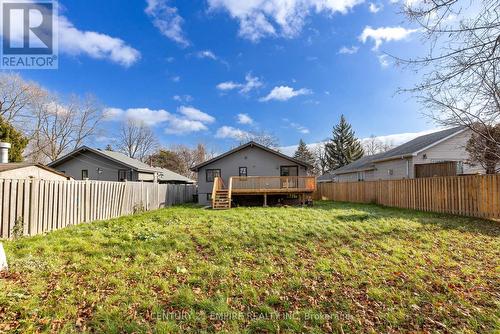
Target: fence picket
(476, 195)
(49, 205)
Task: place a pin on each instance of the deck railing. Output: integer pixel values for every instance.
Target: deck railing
(272, 183)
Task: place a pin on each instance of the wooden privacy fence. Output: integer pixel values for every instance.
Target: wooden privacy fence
(30, 207)
(475, 196)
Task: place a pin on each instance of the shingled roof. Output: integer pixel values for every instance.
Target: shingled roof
(405, 150)
(163, 174)
(420, 143)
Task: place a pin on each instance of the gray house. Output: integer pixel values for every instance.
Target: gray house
(94, 164)
(251, 170)
(440, 153)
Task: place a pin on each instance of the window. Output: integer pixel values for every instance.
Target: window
(212, 174)
(390, 171)
(209, 197)
(289, 171)
(361, 176)
(243, 171)
(85, 174)
(122, 175)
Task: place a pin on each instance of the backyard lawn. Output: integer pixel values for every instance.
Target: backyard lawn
(334, 267)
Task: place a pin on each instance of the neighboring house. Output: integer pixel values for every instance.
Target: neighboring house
(21, 171)
(256, 170)
(440, 153)
(94, 164)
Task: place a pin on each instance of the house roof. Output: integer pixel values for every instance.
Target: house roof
(421, 143)
(168, 175)
(12, 166)
(363, 164)
(250, 144)
(118, 157)
(408, 149)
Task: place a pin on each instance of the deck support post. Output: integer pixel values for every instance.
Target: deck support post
(265, 200)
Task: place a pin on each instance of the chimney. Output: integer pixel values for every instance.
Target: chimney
(4, 153)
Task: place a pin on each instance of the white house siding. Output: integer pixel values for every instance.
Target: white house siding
(452, 149)
(401, 169)
(259, 162)
(353, 177)
(31, 172)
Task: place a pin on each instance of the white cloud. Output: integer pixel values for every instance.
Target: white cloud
(284, 93)
(228, 85)
(244, 119)
(167, 20)
(77, 42)
(373, 8)
(95, 45)
(259, 18)
(147, 116)
(141, 115)
(180, 126)
(194, 114)
(300, 128)
(206, 54)
(182, 98)
(383, 60)
(112, 114)
(230, 132)
(348, 51)
(175, 78)
(188, 119)
(385, 34)
(250, 84)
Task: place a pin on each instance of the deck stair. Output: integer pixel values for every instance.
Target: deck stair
(221, 197)
(221, 200)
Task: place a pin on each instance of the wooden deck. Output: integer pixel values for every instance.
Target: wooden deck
(260, 185)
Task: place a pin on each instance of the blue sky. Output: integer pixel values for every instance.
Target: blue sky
(206, 71)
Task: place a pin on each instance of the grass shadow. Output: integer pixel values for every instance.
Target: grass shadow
(363, 212)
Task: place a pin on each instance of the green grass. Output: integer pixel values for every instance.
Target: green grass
(332, 268)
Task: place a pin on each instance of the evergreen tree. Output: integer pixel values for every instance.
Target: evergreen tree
(304, 154)
(9, 134)
(343, 148)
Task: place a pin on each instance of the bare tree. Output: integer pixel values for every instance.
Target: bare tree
(181, 158)
(263, 138)
(321, 159)
(374, 145)
(485, 152)
(59, 128)
(136, 140)
(460, 86)
(17, 97)
(191, 157)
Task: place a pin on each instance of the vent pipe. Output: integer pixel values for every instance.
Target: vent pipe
(4, 152)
